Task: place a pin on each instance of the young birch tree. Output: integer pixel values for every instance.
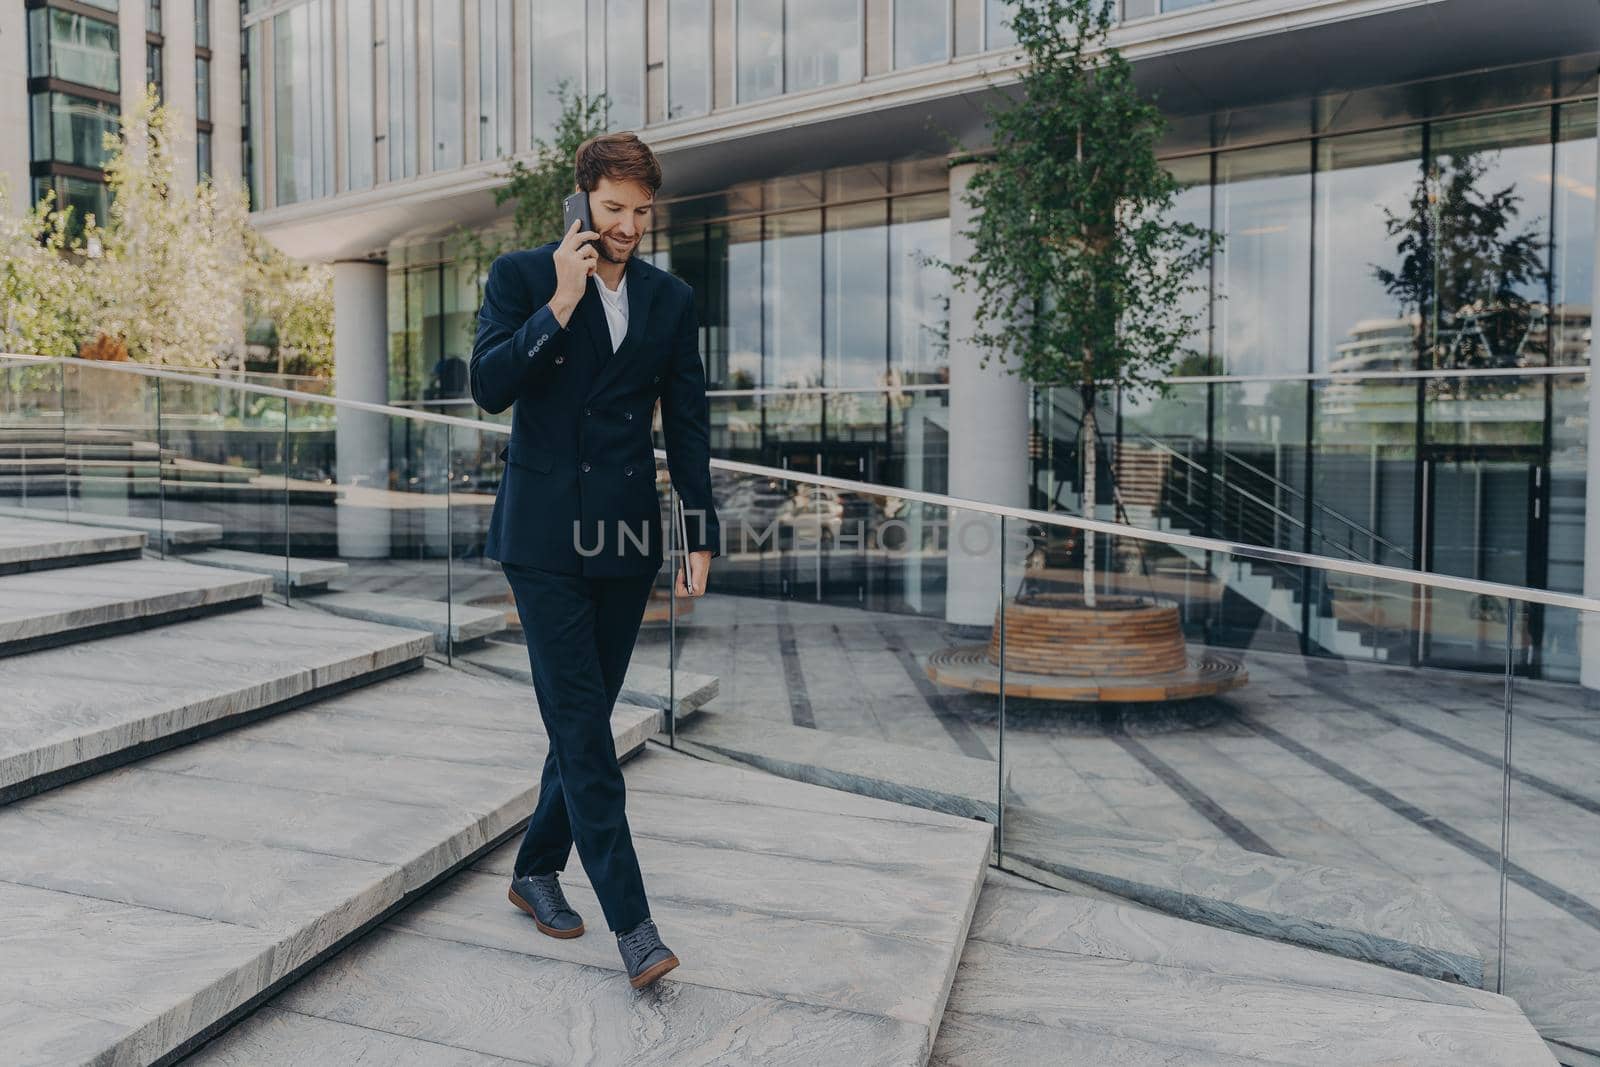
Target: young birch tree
(1081, 279)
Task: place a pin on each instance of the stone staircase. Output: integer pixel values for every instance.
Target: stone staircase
(282, 835)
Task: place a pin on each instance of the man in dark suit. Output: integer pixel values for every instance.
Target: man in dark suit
(580, 340)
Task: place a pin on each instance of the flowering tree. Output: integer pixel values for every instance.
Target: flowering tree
(47, 301)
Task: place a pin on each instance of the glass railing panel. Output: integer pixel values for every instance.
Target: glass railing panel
(113, 463)
(370, 519)
(1552, 889)
(32, 437)
(1233, 718)
(225, 455)
(846, 630)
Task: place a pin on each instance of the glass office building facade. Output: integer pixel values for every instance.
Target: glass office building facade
(1393, 360)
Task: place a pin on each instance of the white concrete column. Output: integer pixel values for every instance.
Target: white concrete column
(988, 444)
(361, 439)
(1589, 625)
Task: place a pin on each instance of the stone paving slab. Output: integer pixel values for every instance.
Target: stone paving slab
(32, 542)
(1354, 914)
(772, 970)
(645, 684)
(176, 533)
(303, 573)
(213, 670)
(53, 606)
(139, 907)
(1049, 977)
(923, 778)
(463, 621)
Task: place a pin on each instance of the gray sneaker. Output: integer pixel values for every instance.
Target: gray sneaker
(540, 896)
(644, 955)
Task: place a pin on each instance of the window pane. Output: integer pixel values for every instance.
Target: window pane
(744, 305)
(919, 294)
(855, 309)
(625, 64)
(202, 88)
(494, 79)
(760, 55)
(67, 129)
(447, 110)
(1362, 181)
(920, 27)
(402, 136)
(1263, 271)
(997, 23)
(558, 53)
(358, 63)
(792, 295)
(1573, 258)
(75, 48)
(823, 45)
(202, 23)
(688, 58)
(1491, 222)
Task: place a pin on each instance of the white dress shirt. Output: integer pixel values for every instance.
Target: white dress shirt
(616, 305)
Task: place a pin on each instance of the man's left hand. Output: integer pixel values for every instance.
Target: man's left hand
(700, 568)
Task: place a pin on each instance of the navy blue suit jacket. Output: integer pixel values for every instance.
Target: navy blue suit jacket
(578, 494)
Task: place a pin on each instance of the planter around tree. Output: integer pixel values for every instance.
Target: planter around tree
(1124, 649)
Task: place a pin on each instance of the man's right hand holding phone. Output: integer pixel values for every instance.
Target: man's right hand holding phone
(575, 261)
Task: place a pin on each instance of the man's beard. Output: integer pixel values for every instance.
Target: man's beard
(604, 248)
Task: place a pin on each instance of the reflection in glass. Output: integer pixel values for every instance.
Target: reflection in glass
(1572, 259)
(921, 29)
(997, 31)
(688, 58)
(760, 48)
(919, 293)
(558, 53)
(854, 311)
(823, 43)
(1263, 270)
(1361, 180)
(791, 288)
(73, 47)
(624, 31)
(742, 356)
(68, 129)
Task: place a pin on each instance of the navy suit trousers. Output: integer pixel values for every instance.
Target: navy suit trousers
(580, 633)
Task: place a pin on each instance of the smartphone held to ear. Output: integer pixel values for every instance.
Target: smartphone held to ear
(576, 208)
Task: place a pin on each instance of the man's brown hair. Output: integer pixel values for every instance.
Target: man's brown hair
(622, 157)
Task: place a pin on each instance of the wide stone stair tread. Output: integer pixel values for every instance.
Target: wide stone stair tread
(645, 683)
(38, 543)
(454, 623)
(131, 692)
(303, 573)
(141, 906)
(177, 533)
(925, 778)
(776, 967)
(1051, 977)
(1354, 914)
(69, 603)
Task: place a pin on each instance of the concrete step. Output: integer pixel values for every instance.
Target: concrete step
(145, 905)
(175, 534)
(1394, 923)
(924, 778)
(646, 684)
(43, 609)
(812, 927)
(304, 574)
(453, 624)
(1049, 977)
(36, 545)
(79, 710)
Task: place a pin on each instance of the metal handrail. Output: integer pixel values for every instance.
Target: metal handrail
(1284, 557)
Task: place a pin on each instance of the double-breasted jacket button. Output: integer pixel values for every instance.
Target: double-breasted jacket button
(588, 411)
(627, 414)
(561, 359)
(627, 470)
(584, 466)
(655, 377)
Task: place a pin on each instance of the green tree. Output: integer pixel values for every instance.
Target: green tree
(1081, 279)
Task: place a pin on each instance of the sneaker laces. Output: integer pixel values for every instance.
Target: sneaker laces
(548, 892)
(641, 939)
